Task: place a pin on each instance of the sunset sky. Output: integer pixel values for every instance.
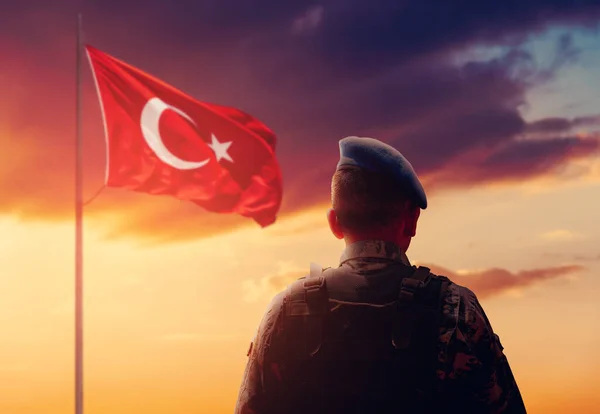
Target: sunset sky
(497, 108)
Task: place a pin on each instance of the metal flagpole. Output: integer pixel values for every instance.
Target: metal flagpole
(79, 233)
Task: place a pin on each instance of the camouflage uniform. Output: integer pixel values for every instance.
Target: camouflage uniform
(470, 365)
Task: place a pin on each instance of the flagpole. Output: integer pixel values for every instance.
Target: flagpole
(79, 232)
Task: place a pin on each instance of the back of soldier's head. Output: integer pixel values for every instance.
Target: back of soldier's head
(373, 185)
(363, 201)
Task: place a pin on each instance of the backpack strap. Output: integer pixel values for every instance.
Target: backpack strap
(417, 324)
(306, 304)
(405, 321)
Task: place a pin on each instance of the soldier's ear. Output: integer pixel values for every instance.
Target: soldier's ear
(334, 224)
(411, 219)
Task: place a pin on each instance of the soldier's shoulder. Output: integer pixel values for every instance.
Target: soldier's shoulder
(276, 305)
(269, 321)
(457, 291)
(462, 312)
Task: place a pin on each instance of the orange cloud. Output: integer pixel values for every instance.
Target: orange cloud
(491, 282)
(485, 283)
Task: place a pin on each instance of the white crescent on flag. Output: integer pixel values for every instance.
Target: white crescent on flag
(150, 130)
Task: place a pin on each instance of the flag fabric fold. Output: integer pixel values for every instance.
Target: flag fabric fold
(162, 141)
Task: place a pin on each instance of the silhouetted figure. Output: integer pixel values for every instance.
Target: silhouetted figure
(376, 335)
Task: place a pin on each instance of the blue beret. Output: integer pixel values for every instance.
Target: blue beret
(373, 155)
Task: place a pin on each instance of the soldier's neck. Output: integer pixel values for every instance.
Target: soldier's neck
(402, 242)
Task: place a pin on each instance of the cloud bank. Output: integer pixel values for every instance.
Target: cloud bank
(485, 283)
(314, 72)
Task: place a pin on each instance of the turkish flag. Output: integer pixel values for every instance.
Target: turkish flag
(162, 141)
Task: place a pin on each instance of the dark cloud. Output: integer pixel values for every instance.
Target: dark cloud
(567, 52)
(559, 125)
(313, 71)
(416, 27)
(457, 125)
(516, 160)
(539, 154)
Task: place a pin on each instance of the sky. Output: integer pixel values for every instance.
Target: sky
(496, 105)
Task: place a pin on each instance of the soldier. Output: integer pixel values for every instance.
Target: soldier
(375, 334)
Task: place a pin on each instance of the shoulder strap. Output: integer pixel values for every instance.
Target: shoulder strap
(306, 304)
(404, 323)
(410, 284)
(416, 328)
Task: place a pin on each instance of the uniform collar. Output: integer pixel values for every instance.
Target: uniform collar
(374, 249)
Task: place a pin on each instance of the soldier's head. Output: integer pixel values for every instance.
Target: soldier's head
(375, 194)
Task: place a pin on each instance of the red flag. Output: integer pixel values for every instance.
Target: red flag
(162, 141)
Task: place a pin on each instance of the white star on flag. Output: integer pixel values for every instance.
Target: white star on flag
(220, 148)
